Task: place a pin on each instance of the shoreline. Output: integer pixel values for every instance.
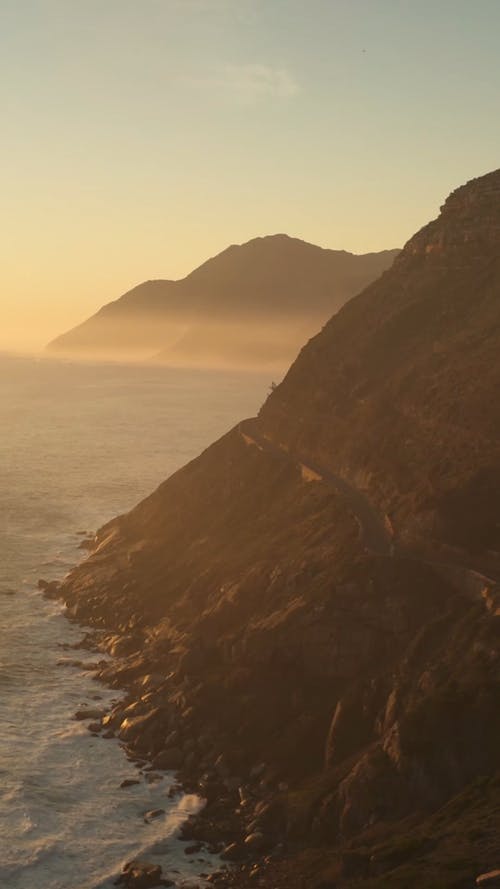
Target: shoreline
(232, 817)
(279, 674)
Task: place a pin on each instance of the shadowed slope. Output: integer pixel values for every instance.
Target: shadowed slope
(348, 687)
(398, 392)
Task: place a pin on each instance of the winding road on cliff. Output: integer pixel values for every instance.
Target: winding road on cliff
(376, 535)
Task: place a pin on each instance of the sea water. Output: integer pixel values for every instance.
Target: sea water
(80, 443)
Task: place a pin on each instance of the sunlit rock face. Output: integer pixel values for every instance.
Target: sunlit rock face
(468, 227)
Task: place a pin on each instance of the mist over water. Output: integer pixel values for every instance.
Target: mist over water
(265, 342)
(79, 444)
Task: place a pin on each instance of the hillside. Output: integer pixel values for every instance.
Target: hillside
(306, 617)
(252, 304)
(397, 392)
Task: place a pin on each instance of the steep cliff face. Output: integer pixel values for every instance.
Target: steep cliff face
(272, 640)
(250, 579)
(397, 393)
(467, 229)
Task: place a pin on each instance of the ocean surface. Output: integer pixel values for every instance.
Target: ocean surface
(79, 444)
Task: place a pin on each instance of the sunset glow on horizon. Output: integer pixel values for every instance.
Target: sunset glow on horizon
(141, 139)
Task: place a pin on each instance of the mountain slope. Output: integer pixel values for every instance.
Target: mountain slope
(246, 304)
(404, 380)
(279, 632)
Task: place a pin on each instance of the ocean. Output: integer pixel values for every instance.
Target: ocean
(79, 444)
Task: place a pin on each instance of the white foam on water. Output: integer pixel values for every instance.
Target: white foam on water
(66, 822)
(79, 445)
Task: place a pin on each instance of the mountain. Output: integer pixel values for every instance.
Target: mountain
(254, 303)
(404, 380)
(306, 617)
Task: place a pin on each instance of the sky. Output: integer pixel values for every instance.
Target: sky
(140, 137)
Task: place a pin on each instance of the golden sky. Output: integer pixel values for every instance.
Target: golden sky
(138, 139)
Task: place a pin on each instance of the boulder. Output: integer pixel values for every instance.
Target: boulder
(172, 739)
(233, 852)
(209, 786)
(255, 841)
(141, 875)
(89, 714)
(124, 645)
(245, 797)
(152, 814)
(140, 728)
(136, 708)
(490, 880)
(262, 808)
(190, 761)
(49, 588)
(221, 767)
(232, 784)
(168, 760)
(193, 849)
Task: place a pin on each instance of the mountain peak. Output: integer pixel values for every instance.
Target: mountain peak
(479, 191)
(251, 304)
(468, 224)
(281, 239)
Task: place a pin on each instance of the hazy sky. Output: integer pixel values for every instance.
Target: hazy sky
(140, 137)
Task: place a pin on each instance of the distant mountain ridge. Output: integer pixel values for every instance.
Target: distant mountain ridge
(219, 311)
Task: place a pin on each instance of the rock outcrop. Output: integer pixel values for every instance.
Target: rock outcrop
(341, 698)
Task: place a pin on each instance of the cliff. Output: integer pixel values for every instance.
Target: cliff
(306, 616)
(254, 303)
(397, 392)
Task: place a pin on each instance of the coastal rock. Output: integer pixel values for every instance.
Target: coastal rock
(89, 713)
(49, 588)
(168, 760)
(124, 645)
(141, 875)
(193, 849)
(255, 841)
(490, 880)
(153, 814)
(233, 852)
(140, 729)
